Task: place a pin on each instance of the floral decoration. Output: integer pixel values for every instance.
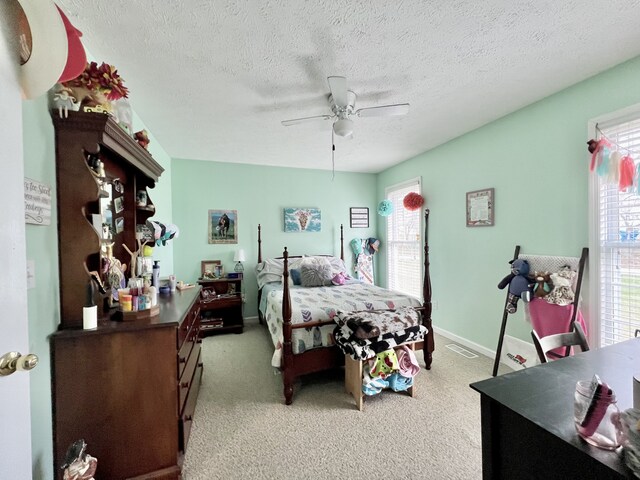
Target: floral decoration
(104, 79)
(385, 208)
(412, 201)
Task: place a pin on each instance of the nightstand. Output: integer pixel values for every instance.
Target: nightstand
(221, 306)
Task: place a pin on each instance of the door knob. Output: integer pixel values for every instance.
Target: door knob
(12, 361)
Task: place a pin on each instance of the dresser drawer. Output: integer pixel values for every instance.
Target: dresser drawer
(185, 351)
(186, 380)
(186, 418)
(192, 318)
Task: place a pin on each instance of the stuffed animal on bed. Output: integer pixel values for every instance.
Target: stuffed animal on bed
(519, 284)
(541, 284)
(562, 293)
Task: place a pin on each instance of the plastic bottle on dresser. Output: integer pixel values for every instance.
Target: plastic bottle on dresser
(155, 276)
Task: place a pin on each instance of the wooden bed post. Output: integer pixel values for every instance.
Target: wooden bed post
(341, 244)
(287, 351)
(259, 244)
(429, 344)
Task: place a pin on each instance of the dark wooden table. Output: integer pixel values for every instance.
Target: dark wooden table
(527, 417)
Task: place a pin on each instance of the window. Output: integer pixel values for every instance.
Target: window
(404, 246)
(616, 237)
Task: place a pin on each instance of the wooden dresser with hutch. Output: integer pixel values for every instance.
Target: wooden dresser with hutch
(129, 389)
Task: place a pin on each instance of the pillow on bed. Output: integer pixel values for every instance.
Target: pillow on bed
(294, 274)
(271, 269)
(337, 264)
(315, 272)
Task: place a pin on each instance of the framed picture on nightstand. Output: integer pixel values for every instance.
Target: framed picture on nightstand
(208, 268)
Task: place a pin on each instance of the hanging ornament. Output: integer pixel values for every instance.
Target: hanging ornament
(627, 171)
(385, 208)
(613, 175)
(413, 201)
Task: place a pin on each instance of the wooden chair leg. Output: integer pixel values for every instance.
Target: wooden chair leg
(353, 379)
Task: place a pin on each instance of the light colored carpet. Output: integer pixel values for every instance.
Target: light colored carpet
(242, 429)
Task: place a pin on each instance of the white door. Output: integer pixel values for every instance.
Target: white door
(15, 413)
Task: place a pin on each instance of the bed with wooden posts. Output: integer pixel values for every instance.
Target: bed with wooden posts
(301, 329)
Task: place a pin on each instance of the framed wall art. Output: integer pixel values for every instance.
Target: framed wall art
(359, 217)
(302, 220)
(223, 226)
(480, 208)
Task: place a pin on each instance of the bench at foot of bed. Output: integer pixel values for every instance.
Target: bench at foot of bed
(353, 375)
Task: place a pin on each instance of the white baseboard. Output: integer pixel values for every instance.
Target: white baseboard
(467, 343)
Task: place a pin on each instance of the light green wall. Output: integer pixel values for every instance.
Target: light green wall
(259, 194)
(43, 304)
(42, 248)
(537, 161)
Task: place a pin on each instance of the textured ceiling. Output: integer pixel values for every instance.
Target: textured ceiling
(213, 79)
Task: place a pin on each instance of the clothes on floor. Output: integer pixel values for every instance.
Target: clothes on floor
(385, 371)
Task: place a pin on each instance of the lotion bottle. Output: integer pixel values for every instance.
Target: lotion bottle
(155, 277)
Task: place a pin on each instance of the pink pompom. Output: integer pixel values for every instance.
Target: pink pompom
(413, 201)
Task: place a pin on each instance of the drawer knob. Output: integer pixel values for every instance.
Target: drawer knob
(188, 418)
(200, 365)
(184, 384)
(183, 360)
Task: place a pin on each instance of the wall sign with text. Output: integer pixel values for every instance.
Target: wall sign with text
(37, 202)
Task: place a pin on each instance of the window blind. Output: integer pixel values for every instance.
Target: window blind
(404, 246)
(619, 239)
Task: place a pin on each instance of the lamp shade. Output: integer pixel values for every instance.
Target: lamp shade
(239, 256)
(343, 127)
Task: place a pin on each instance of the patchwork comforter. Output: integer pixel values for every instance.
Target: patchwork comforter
(320, 304)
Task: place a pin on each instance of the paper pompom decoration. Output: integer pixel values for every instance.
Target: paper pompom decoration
(385, 208)
(413, 201)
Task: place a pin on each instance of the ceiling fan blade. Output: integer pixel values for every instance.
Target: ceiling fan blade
(338, 87)
(384, 110)
(296, 121)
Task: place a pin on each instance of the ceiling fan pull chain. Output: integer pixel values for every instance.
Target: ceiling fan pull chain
(333, 157)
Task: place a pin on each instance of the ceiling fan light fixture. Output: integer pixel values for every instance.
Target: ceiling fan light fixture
(343, 127)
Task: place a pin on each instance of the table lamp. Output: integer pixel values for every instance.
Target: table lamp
(239, 258)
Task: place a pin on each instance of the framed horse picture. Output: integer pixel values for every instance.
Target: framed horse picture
(223, 226)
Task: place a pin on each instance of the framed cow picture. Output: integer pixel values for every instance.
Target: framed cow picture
(223, 226)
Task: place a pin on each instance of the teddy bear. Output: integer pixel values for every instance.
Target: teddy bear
(541, 284)
(562, 293)
(519, 284)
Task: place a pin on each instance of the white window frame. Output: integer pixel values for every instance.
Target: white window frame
(387, 190)
(594, 304)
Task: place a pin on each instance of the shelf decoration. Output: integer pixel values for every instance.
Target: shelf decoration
(142, 137)
(96, 86)
(162, 233)
(209, 269)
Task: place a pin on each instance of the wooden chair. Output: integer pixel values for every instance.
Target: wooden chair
(545, 344)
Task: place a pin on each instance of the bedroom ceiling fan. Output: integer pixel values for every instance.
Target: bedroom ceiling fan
(342, 103)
